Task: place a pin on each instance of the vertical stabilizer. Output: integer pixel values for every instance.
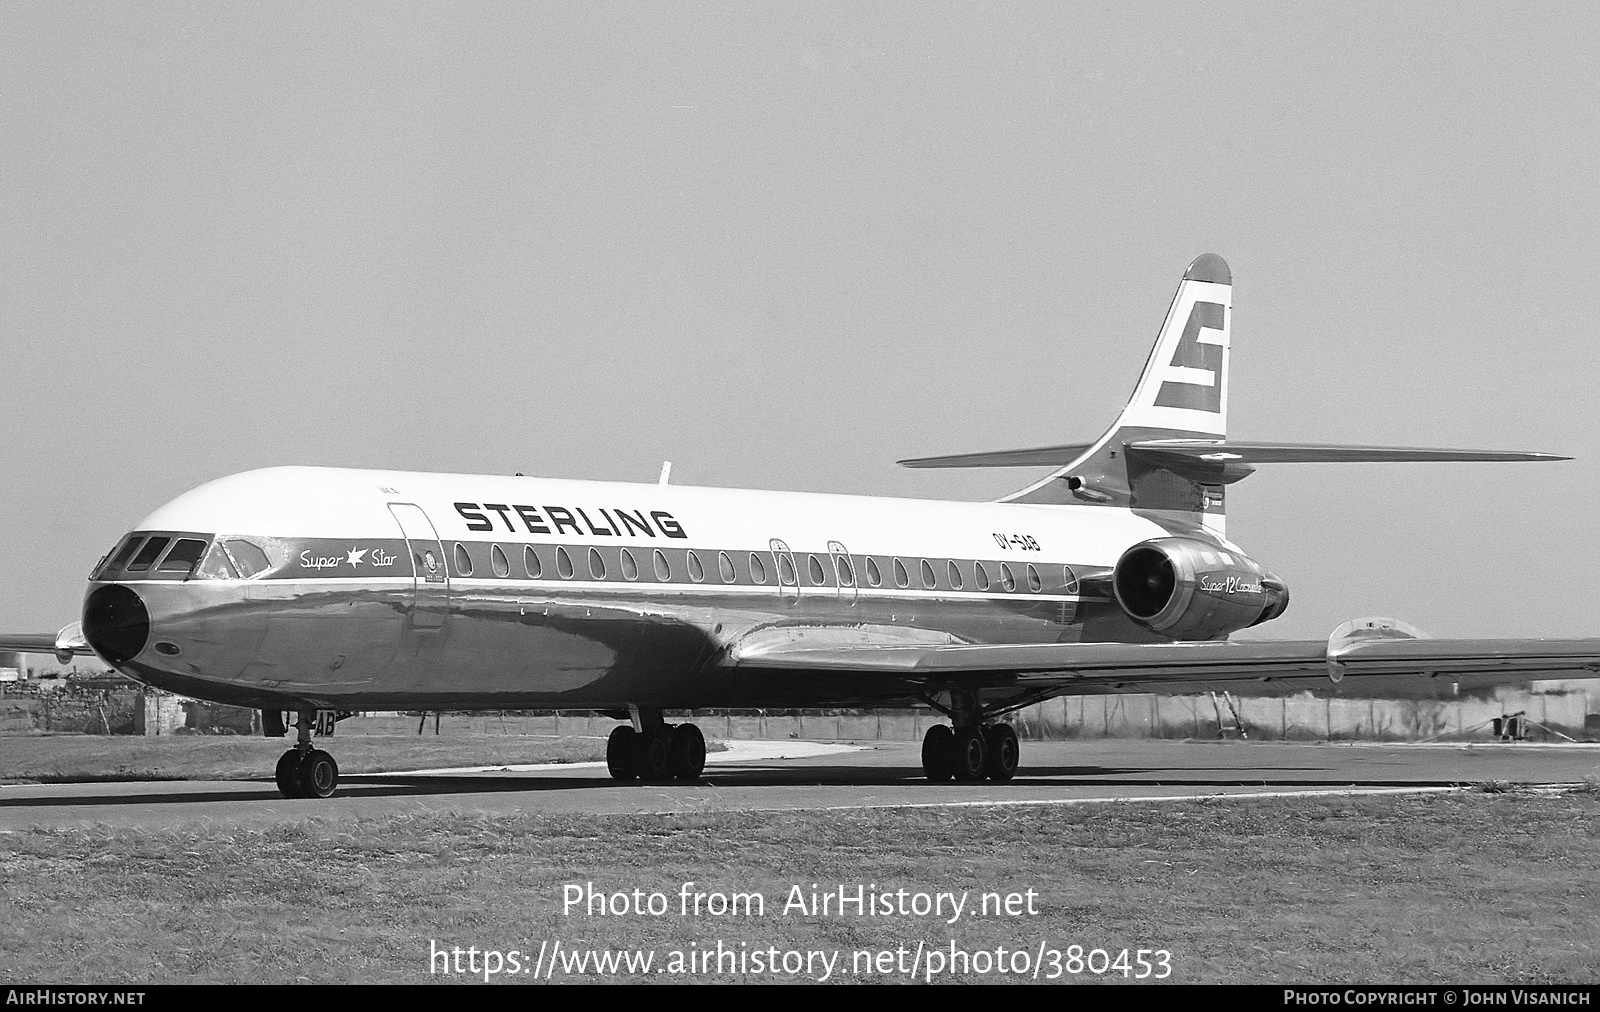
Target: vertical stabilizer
(1182, 394)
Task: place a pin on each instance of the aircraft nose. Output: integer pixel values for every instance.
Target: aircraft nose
(116, 623)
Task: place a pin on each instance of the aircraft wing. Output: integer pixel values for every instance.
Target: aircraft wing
(66, 644)
(1358, 664)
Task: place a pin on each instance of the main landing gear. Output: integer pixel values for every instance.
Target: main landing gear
(970, 753)
(306, 772)
(660, 751)
(971, 750)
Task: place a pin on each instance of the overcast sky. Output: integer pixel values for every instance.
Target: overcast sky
(784, 246)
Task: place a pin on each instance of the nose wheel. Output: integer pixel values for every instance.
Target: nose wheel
(312, 773)
(303, 771)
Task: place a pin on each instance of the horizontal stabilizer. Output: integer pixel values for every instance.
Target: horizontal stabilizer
(1228, 451)
(1242, 451)
(1039, 456)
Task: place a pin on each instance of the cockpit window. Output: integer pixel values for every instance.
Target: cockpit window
(247, 556)
(118, 557)
(183, 556)
(216, 566)
(120, 560)
(147, 555)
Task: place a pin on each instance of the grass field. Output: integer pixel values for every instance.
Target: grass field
(1463, 888)
(80, 758)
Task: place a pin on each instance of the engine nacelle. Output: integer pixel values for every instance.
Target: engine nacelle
(1191, 590)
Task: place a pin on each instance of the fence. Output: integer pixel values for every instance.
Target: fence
(1568, 709)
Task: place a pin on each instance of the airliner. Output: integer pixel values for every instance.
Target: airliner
(318, 591)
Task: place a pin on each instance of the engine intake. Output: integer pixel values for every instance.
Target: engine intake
(1192, 590)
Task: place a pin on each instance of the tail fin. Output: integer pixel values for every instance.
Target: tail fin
(1182, 394)
(1169, 450)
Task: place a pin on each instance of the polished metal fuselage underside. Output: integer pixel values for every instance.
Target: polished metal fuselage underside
(354, 644)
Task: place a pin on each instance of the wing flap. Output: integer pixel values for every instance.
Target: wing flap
(1169, 667)
(27, 643)
(66, 644)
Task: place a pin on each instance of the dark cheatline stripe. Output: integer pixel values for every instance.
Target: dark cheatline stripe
(750, 568)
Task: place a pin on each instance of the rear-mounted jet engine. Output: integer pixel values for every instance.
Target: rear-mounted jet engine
(1190, 590)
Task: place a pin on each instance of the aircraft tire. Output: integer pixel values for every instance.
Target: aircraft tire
(288, 786)
(655, 754)
(938, 753)
(969, 754)
(1003, 750)
(317, 775)
(688, 752)
(622, 753)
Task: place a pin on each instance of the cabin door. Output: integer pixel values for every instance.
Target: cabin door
(430, 584)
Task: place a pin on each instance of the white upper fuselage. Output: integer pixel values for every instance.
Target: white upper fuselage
(348, 503)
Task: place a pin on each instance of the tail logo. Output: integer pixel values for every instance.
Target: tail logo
(1195, 373)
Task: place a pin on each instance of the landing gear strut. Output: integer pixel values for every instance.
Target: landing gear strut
(972, 750)
(660, 751)
(303, 771)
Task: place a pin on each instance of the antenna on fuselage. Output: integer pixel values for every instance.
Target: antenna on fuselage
(666, 472)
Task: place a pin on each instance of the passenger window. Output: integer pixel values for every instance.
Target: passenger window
(845, 572)
(1007, 581)
(814, 568)
(1034, 583)
(874, 578)
(563, 563)
(183, 556)
(499, 562)
(929, 581)
(216, 566)
(955, 575)
(902, 579)
(786, 573)
(597, 564)
(147, 555)
(758, 570)
(697, 572)
(1070, 579)
(530, 562)
(725, 567)
(463, 560)
(981, 575)
(630, 568)
(663, 571)
(248, 557)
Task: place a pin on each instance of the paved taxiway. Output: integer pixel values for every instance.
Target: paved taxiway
(765, 776)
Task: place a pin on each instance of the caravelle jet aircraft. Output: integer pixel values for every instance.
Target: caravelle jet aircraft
(325, 590)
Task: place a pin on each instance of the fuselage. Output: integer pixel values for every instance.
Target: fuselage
(331, 588)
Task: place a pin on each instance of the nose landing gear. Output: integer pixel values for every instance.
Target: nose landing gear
(303, 771)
